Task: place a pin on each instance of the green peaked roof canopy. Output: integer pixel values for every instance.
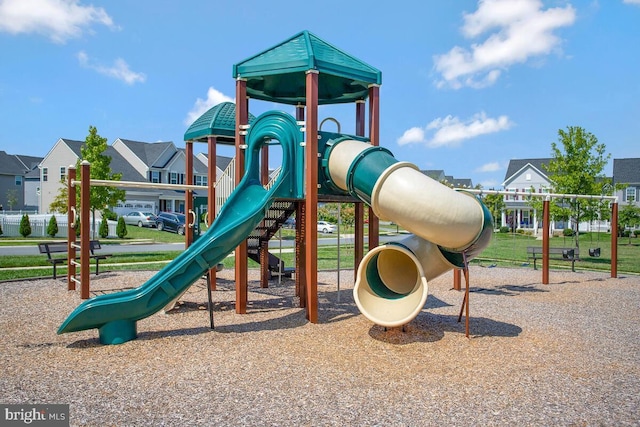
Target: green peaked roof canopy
(278, 73)
(218, 121)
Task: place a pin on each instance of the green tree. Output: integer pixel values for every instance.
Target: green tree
(59, 203)
(12, 199)
(25, 226)
(629, 216)
(577, 167)
(121, 228)
(100, 197)
(495, 204)
(52, 228)
(104, 228)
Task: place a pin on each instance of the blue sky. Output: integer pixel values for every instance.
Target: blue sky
(466, 85)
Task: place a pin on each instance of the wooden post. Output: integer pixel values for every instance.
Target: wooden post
(614, 239)
(188, 196)
(545, 241)
(374, 136)
(301, 270)
(264, 247)
(457, 279)
(211, 199)
(311, 201)
(242, 264)
(71, 232)
(85, 228)
(359, 206)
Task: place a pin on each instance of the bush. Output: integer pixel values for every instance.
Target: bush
(0, 229)
(505, 229)
(520, 231)
(25, 226)
(567, 232)
(52, 228)
(77, 226)
(110, 215)
(104, 228)
(121, 228)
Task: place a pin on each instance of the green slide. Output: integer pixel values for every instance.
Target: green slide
(115, 315)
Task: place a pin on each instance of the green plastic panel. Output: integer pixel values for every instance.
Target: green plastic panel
(279, 73)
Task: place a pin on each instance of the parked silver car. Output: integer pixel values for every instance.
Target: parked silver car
(141, 219)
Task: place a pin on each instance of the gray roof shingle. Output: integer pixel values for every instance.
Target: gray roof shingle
(626, 171)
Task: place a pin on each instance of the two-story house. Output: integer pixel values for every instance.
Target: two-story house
(627, 173)
(15, 191)
(524, 175)
(65, 153)
(159, 162)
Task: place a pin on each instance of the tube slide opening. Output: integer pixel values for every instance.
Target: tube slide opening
(390, 288)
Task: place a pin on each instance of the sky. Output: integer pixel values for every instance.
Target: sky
(466, 85)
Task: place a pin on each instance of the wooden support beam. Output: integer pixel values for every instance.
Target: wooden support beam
(359, 206)
(374, 136)
(71, 232)
(311, 201)
(188, 195)
(85, 228)
(242, 264)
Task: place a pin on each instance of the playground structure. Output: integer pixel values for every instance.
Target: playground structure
(450, 227)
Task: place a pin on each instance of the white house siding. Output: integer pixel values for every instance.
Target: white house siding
(59, 156)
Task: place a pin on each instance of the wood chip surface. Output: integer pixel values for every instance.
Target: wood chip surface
(567, 353)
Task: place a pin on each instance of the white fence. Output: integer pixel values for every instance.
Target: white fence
(40, 222)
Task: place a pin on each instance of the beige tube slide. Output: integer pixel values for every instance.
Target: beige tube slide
(448, 226)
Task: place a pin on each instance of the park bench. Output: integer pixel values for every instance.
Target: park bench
(51, 248)
(562, 254)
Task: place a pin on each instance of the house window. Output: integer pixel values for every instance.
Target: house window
(155, 176)
(18, 180)
(630, 194)
(45, 174)
(528, 177)
(200, 180)
(173, 177)
(63, 172)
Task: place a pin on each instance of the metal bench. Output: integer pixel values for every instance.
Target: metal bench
(562, 254)
(50, 248)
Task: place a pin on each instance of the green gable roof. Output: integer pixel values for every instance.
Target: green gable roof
(278, 73)
(218, 121)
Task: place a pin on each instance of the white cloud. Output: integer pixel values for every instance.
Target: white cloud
(632, 2)
(412, 136)
(518, 30)
(119, 70)
(214, 97)
(59, 20)
(489, 167)
(450, 131)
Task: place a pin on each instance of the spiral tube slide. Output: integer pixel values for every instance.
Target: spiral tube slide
(392, 280)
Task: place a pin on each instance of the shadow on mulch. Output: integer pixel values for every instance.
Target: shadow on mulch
(428, 327)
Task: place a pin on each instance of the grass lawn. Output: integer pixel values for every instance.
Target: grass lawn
(505, 249)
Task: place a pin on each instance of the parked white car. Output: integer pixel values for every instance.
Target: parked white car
(326, 227)
(141, 219)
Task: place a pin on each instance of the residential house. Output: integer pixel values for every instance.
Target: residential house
(627, 172)
(160, 162)
(15, 193)
(524, 175)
